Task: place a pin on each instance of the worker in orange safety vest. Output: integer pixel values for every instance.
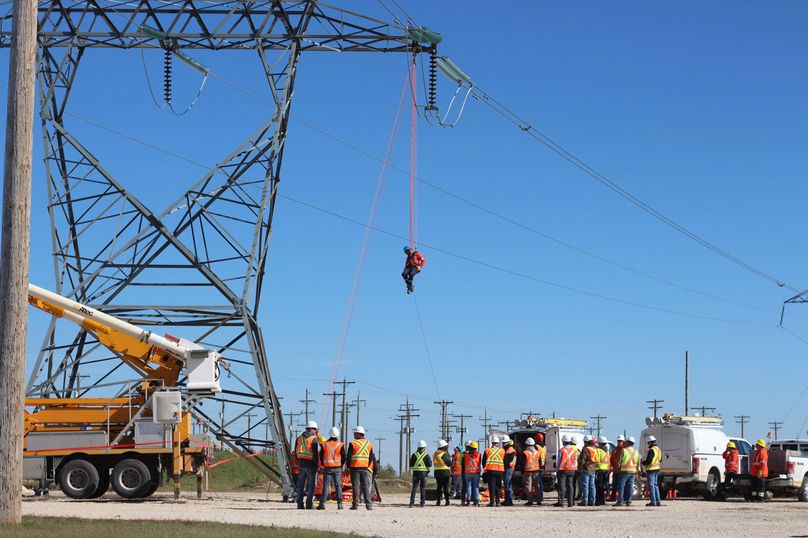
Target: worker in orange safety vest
(531, 464)
(457, 472)
(494, 467)
(333, 458)
(415, 262)
(731, 467)
(759, 469)
(307, 452)
(567, 465)
(360, 461)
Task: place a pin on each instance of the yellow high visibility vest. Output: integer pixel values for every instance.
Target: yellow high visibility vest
(629, 460)
(420, 462)
(437, 461)
(603, 459)
(656, 461)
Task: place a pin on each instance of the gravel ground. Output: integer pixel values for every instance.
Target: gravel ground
(394, 518)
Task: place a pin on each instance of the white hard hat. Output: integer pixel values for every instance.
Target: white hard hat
(442, 443)
(529, 441)
(495, 439)
(334, 432)
(359, 429)
(587, 438)
(311, 425)
(621, 437)
(505, 439)
(651, 438)
(630, 440)
(565, 438)
(602, 440)
(421, 444)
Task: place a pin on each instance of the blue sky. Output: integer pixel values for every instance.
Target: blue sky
(698, 108)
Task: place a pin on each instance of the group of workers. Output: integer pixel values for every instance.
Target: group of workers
(313, 454)
(758, 470)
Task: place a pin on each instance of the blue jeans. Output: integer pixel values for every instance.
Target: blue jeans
(332, 478)
(626, 487)
(473, 487)
(588, 489)
(508, 488)
(305, 484)
(653, 486)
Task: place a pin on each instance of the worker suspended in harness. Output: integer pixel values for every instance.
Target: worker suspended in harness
(415, 262)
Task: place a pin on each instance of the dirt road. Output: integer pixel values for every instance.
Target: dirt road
(394, 518)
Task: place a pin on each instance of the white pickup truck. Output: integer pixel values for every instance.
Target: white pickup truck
(788, 468)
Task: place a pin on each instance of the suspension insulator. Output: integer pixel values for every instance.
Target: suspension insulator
(167, 76)
(433, 80)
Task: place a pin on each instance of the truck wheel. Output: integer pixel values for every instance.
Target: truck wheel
(131, 478)
(802, 493)
(103, 483)
(78, 479)
(712, 490)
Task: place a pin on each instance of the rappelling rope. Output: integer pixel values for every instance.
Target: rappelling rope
(413, 152)
(363, 251)
(426, 346)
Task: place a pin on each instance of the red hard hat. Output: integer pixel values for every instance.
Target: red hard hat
(540, 437)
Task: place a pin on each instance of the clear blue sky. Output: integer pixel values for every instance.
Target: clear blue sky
(698, 108)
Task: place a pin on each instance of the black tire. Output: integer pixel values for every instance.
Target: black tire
(712, 491)
(131, 478)
(103, 483)
(78, 479)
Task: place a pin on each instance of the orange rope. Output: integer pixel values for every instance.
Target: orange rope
(413, 152)
(360, 266)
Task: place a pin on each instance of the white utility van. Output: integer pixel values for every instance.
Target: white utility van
(692, 448)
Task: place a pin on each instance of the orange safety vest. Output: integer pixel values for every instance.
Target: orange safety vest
(731, 460)
(593, 453)
(360, 455)
(332, 451)
(532, 461)
(471, 462)
(304, 447)
(511, 450)
(493, 459)
(760, 463)
(457, 463)
(614, 458)
(569, 459)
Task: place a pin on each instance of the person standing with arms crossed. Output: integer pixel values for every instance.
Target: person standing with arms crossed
(651, 464)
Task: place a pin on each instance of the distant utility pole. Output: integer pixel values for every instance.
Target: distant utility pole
(741, 419)
(15, 247)
(598, 419)
(306, 401)
(343, 419)
(249, 430)
(486, 422)
(687, 382)
(379, 451)
(333, 395)
(704, 410)
(409, 413)
(529, 414)
(292, 432)
(655, 406)
(444, 418)
(462, 430)
(776, 427)
(591, 430)
(357, 403)
(400, 419)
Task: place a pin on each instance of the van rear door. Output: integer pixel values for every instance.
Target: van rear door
(676, 453)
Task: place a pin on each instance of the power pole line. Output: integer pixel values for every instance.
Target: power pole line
(249, 430)
(379, 451)
(742, 420)
(704, 410)
(343, 419)
(409, 413)
(687, 382)
(599, 419)
(529, 414)
(357, 403)
(444, 418)
(776, 427)
(15, 247)
(292, 431)
(462, 430)
(486, 422)
(333, 395)
(656, 405)
(400, 419)
(306, 402)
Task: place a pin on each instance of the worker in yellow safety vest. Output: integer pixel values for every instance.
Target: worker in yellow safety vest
(441, 463)
(628, 467)
(652, 463)
(602, 476)
(494, 468)
(419, 467)
(360, 462)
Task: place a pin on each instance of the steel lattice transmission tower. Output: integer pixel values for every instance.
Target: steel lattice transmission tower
(203, 257)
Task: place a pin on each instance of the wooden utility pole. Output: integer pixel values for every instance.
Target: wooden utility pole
(687, 381)
(742, 420)
(655, 406)
(306, 402)
(14, 254)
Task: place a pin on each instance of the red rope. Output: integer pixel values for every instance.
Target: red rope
(413, 152)
(360, 266)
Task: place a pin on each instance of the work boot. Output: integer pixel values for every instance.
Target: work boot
(309, 505)
(529, 503)
(491, 503)
(619, 503)
(369, 506)
(339, 506)
(559, 505)
(447, 502)
(437, 503)
(321, 506)
(651, 504)
(422, 504)
(301, 507)
(581, 504)
(353, 507)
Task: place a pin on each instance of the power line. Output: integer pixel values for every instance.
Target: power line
(426, 346)
(527, 128)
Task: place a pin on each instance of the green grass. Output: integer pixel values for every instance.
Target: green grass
(37, 527)
(236, 475)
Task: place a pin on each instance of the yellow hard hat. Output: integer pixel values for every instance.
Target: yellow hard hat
(473, 444)
(761, 442)
(730, 445)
